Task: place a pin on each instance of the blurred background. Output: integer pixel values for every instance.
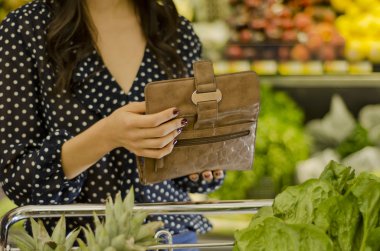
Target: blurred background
(318, 61)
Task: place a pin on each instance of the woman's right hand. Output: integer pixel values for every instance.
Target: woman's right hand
(152, 136)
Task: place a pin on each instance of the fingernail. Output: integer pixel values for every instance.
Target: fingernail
(175, 142)
(194, 177)
(206, 176)
(179, 130)
(184, 122)
(219, 174)
(175, 112)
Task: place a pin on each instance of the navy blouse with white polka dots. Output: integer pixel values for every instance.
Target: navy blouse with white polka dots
(35, 122)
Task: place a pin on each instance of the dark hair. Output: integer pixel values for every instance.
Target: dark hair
(70, 36)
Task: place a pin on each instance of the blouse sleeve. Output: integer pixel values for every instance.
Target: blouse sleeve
(191, 51)
(30, 155)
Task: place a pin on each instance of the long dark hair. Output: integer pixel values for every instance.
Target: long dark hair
(70, 36)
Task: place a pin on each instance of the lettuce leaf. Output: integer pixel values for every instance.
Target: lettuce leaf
(366, 189)
(273, 234)
(338, 175)
(298, 204)
(339, 217)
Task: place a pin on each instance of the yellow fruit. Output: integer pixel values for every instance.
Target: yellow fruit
(340, 5)
(353, 10)
(374, 51)
(356, 50)
(366, 4)
(343, 24)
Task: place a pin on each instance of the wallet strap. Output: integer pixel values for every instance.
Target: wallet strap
(204, 77)
(207, 109)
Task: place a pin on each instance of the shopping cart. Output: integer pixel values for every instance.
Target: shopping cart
(181, 208)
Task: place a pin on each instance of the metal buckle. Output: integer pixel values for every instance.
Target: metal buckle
(206, 96)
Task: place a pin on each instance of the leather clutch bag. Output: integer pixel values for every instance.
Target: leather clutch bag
(222, 114)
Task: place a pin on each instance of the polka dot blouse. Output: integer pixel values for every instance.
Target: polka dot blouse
(35, 122)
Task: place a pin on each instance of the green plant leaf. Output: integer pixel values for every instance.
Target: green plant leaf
(297, 204)
(21, 239)
(148, 229)
(82, 245)
(59, 233)
(338, 175)
(70, 239)
(366, 189)
(275, 235)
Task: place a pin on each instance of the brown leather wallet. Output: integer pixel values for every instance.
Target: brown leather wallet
(222, 114)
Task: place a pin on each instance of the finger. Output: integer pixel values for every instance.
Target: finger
(163, 130)
(218, 174)
(135, 107)
(157, 119)
(158, 143)
(207, 176)
(156, 153)
(194, 177)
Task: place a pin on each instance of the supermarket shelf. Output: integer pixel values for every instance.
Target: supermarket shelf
(323, 81)
(313, 93)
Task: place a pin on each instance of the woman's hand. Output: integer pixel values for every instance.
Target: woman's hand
(151, 136)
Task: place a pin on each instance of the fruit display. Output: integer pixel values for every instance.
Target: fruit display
(8, 5)
(337, 211)
(359, 24)
(300, 30)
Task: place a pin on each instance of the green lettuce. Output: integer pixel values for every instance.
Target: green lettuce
(338, 212)
(274, 234)
(297, 204)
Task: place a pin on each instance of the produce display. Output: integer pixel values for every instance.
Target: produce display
(284, 30)
(359, 24)
(280, 144)
(337, 211)
(342, 137)
(122, 230)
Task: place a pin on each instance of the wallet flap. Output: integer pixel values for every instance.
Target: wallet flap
(239, 104)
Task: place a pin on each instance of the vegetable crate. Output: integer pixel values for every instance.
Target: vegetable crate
(86, 210)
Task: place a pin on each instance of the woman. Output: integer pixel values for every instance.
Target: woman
(72, 75)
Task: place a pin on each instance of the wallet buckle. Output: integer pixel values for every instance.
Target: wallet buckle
(206, 96)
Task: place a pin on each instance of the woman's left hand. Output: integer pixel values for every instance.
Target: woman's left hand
(208, 176)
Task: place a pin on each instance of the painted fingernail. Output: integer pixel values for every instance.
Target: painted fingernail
(219, 174)
(194, 177)
(184, 122)
(179, 130)
(206, 175)
(175, 112)
(175, 142)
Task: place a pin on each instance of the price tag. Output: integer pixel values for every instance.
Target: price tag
(336, 67)
(265, 67)
(364, 67)
(291, 68)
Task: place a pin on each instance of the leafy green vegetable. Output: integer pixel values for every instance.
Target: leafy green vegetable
(338, 175)
(373, 242)
(274, 234)
(356, 141)
(339, 218)
(297, 204)
(338, 212)
(367, 191)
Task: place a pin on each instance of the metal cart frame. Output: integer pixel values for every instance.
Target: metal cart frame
(87, 210)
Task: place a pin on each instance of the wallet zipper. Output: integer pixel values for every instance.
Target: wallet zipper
(213, 139)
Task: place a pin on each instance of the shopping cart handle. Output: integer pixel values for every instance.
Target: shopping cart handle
(83, 210)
